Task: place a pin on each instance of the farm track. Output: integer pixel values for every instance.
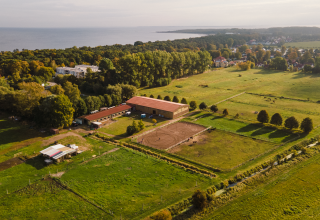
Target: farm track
(230, 98)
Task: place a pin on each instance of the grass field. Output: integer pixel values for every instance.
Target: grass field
(246, 105)
(47, 200)
(125, 181)
(225, 83)
(307, 44)
(250, 130)
(291, 195)
(119, 127)
(19, 176)
(222, 149)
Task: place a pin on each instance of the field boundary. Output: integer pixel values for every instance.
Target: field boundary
(187, 139)
(230, 98)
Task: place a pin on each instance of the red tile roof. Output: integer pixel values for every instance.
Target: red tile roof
(155, 103)
(219, 58)
(107, 112)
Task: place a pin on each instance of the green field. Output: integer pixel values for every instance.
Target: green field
(291, 195)
(225, 83)
(254, 130)
(307, 44)
(222, 149)
(125, 181)
(119, 127)
(46, 200)
(246, 105)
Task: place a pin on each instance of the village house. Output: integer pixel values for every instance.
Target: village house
(78, 71)
(220, 62)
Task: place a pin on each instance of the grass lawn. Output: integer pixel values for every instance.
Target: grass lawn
(307, 44)
(18, 176)
(119, 127)
(250, 130)
(247, 104)
(125, 181)
(222, 149)
(291, 195)
(225, 83)
(47, 200)
(14, 135)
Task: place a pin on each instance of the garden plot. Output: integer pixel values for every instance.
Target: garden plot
(170, 135)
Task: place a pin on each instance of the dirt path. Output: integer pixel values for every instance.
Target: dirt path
(108, 152)
(59, 174)
(230, 98)
(59, 137)
(10, 163)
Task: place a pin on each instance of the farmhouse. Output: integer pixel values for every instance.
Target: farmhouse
(103, 116)
(158, 107)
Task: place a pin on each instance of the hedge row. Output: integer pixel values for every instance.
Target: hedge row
(159, 156)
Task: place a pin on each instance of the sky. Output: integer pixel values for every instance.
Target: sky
(133, 13)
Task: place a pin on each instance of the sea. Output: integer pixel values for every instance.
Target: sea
(61, 38)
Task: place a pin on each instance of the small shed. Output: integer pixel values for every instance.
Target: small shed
(96, 124)
(54, 131)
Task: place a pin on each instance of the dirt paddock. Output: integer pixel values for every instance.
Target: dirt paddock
(167, 136)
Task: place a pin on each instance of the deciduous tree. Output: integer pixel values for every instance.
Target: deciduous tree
(307, 125)
(263, 116)
(276, 119)
(291, 123)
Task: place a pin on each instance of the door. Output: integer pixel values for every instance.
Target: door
(154, 112)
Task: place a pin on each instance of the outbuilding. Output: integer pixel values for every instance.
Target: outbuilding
(105, 115)
(158, 107)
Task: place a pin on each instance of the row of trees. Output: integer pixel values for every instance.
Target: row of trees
(291, 122)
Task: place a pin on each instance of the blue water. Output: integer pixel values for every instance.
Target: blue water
(61, 38)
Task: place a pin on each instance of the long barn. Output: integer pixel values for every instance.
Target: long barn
(158, 107)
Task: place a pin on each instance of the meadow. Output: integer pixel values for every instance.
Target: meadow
(131, 184)
(119, 128)
(246, 105)
(307, 44)
(222, 149)
(46, 200)
(291, 195)
(227, 82)
(252, 130)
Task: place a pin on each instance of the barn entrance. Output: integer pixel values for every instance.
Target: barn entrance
(154, 112)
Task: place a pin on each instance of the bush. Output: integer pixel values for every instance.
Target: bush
(263, 116)
(162, 215)
(214, 108)
(130, 130)
(159, 97)
(175, 99)
(154, 121)
(203, 106)
(193, 105)
(199, 199)
(167, 98)
(291, 123)
(151, 96)
(237, 115)
(225, 112)
(307, 125)
(276, 119)
(141, 125)
(184, 101)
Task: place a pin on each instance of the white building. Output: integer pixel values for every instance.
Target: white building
(78, 71)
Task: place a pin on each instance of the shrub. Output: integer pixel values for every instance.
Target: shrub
(159, 97)
(214, 108)
(175, 99)
(193, 105)
(203, 105)
(237, 115)
(276, 119)
(307, 125)
(184, 101)
(225, 112)
(199, 199)
(167, 98)
(154, 121)
(151, 96)
(224, 184)
(162, 215)
(141, 125)
(130, 130)
(291, 123)
(243, 65)
(263, 116)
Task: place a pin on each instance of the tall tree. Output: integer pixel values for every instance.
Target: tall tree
(263, 116)
(291, 123)
(80, 108)
(71, 91)
(307, 125)
(276, 119)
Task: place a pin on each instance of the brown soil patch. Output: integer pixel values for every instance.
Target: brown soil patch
(59, 174)
(200, 139)
(170, 135)
(10, 163)
(60, 136)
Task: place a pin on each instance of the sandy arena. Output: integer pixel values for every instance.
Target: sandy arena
(170, 135)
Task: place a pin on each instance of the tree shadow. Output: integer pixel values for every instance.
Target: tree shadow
(299, 75)
(262, 131)
(267, 71)
(249, 128)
